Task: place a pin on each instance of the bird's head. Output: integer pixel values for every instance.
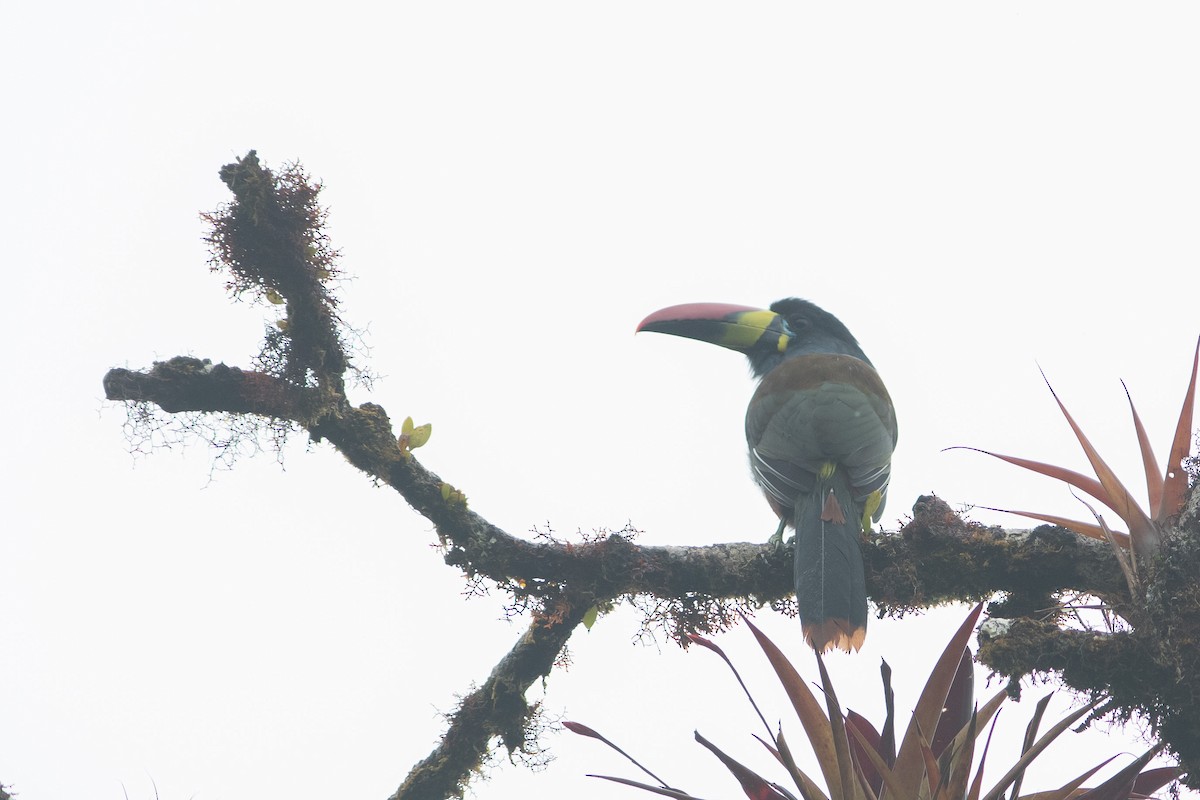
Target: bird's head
(767, 336)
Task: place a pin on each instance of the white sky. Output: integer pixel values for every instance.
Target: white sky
(972, 188)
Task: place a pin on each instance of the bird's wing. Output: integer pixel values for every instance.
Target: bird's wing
(814, 411)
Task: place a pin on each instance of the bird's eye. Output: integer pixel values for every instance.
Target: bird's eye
(794, 325)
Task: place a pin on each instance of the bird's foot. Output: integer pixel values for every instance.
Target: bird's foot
(776, 540)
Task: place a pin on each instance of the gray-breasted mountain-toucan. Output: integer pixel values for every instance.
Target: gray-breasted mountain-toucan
(821, 430)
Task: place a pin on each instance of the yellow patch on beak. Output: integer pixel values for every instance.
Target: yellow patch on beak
(743, 332)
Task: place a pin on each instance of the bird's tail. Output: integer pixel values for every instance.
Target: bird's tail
(831, 589)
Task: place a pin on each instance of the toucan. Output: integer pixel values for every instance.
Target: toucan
(821, 429)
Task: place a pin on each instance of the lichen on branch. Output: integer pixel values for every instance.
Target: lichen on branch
(271, 243)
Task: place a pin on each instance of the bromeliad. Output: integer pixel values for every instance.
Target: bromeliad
(1167, 490)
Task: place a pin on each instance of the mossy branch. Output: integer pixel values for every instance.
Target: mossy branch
(270, 243)
(497, 710)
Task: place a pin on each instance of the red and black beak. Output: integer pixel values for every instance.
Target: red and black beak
(741, 328)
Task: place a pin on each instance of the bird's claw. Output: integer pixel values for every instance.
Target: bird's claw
(776, 540)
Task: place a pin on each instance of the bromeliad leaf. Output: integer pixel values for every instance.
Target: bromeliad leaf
(654, 789)
(1167, 494)
(1175, 479)
(816, 725)
(910, 760)
(1074, 525)
(1143, 533)
(755, 786)
(859, 763)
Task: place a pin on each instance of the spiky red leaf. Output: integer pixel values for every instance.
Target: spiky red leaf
(583, 730)
(711, 645)
(1074, 525)
(755, 787)
(1152, 780)
(679, 795)
(867, 737)
(977, 784)
(958, 756)
(910, 760)
(1084, 483)
(959, 705)
(1033, 752)
(1175, 481)
(1031, 729)
(816, 724)
(887, 747)
(1120, 785)
(837, 726)
(893, 788)
(1154, 481)
(808, 788)
(1142, 531)
(696, 638)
